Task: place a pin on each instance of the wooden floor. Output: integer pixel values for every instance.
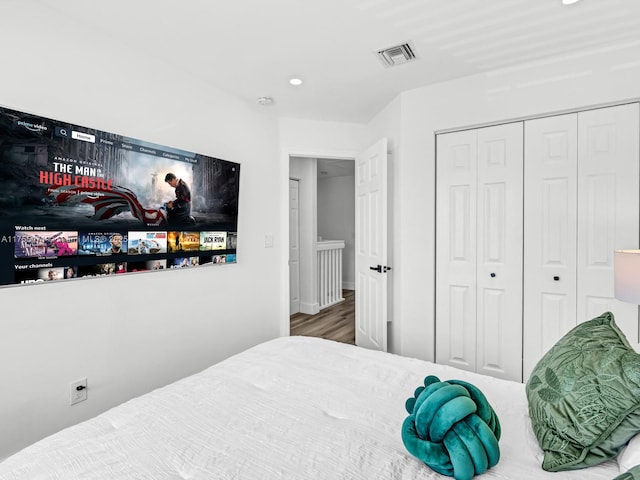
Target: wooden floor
(334, 323)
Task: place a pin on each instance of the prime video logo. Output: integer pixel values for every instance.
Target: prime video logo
(32, 127)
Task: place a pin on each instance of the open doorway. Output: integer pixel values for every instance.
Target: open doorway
(336, 322)
(322, 215)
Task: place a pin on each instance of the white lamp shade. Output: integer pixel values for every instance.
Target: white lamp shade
(627, 275)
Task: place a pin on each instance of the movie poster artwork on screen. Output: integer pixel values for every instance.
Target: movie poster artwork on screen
(79, 202)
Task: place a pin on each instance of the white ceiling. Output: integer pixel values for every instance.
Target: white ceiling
(330, 168)
(250, 48)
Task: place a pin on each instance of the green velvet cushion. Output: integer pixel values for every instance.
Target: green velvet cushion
(584, 396)
(633, 474)
(452, 428)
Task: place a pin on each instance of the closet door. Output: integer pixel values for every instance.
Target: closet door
(499, 251)
(456, 249)
(550, 203)
(608, 206)
(479, 250)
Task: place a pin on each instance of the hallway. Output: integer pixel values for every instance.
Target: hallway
(334, 323)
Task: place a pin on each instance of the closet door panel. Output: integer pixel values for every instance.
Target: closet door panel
(550, 203)
(499, 238)
(608, 193)
(456, 251)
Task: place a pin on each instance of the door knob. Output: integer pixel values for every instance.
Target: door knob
(380, 268)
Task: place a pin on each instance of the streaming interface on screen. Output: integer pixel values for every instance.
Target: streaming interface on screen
(81, 202)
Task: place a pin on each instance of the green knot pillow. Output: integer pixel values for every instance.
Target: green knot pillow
(584, 396)
(452, 428)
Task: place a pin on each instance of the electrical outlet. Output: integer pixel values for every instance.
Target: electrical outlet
(78, 391)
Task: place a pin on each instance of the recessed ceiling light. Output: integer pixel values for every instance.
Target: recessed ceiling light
(296, 82)
(569, 2)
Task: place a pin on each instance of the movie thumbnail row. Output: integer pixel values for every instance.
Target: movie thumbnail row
(55, 244)
(33, 275)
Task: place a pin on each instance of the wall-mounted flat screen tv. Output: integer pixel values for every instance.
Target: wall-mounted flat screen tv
(80, 202)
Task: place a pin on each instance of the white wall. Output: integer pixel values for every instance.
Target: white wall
(570, 82)
(312, 138)
(133, 333)
(337, 220)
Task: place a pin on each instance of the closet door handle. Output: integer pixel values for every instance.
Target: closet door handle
(556, 278)
(493, 275)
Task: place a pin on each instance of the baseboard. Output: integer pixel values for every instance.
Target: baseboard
(348, 285)
(309, 308)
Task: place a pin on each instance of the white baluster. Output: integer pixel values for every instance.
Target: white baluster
(329, 272)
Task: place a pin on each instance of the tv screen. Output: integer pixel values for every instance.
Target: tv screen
(80, 202)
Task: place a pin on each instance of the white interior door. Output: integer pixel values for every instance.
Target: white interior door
(608, 190)
(479, 250)
(371, 247)
(551, 165)
(456, 249)
(294, 246)
(499, 251)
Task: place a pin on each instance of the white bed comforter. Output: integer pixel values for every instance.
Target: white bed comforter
(292, 408)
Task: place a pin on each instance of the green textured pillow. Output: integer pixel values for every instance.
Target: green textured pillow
(633, 474)
(584, 396)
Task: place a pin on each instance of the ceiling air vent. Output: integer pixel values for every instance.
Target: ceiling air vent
(397, 55)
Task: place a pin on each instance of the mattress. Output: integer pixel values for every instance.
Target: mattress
(291, 408)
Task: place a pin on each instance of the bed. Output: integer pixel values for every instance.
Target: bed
(290, 408)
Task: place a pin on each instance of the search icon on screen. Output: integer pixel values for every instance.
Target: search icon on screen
(62, 132)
